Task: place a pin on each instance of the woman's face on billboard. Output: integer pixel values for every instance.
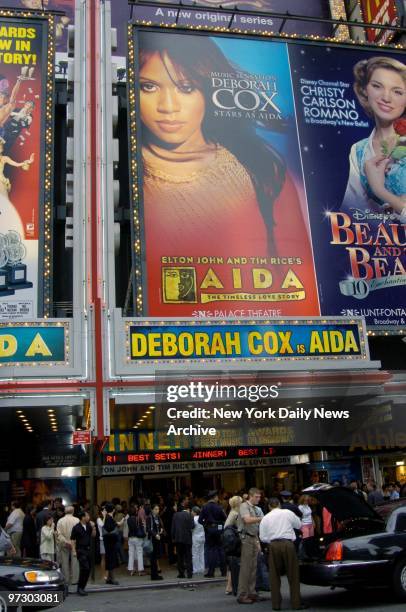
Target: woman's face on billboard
(172, 108)
(386, 93)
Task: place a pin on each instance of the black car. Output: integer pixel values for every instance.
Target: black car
(364, 549)
(32, 577)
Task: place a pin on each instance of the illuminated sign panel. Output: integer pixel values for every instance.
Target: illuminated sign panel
(35, 344)
(187, 455)
(204, 464)
(193, 342)
(272, 209)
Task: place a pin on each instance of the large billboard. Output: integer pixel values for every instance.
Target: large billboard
(26, 94)
(268, 178)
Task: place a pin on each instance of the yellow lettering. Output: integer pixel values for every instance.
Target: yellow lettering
(8, 345)
(336, 341)
(38, 347)
(138, 345)
(154, 345)
(186, 344)
(211, 280)
(271, 343)
(350, 342)
(253, 346)
(316, 344)
(291, 280)
(233, 343)
(237, 282)
(262, 278)
(169, 345)
(125, 442)
(217, 345)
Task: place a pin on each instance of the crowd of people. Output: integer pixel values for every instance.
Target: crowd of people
(250, 538)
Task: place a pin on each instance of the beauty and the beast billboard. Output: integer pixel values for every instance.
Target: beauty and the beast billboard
(26, 151)
(268, 178)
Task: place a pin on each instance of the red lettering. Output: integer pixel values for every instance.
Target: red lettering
(137, 458)
(247, 452)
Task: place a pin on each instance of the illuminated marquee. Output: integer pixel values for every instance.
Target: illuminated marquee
(35, 343)
(195, 341)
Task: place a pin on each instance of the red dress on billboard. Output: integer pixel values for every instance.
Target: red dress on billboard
(209, 222)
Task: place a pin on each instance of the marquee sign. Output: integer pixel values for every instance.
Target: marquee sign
(218, 341)
(34, 343)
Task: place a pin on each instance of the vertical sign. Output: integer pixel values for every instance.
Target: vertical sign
(26, 96)
(381, 12)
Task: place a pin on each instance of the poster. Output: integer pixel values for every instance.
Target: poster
(36, 491)
(223, 212)
(25, 165)
(238, 237)
(62, 22)
(354, 162)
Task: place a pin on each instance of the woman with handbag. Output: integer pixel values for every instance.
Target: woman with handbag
(155, 531)
(136, 537)
(110, 539)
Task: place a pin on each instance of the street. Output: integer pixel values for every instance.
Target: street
(212, 597)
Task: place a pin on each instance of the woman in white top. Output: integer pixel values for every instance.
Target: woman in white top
(47, 545)
(198, 540)
(307, 518)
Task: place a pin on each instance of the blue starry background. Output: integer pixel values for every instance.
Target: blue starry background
(325, 153)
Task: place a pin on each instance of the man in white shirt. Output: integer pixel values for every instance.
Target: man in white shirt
(14, 526)
(277, 529)
(69, 563)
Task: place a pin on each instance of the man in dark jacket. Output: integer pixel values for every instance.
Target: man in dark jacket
(213, 517)
(182, 526)
(82, 534)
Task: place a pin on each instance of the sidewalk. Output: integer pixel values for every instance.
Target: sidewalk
(127, 582)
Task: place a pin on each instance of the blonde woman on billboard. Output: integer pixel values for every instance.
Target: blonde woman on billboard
(377, 179)
(9, 217)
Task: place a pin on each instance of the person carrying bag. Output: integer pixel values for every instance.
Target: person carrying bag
(136, 539)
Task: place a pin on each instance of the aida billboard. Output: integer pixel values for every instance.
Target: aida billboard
(272, 178)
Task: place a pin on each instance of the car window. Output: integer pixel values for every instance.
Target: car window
(397, 520)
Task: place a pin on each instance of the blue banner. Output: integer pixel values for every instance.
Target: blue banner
(248, 340)
(32, 344)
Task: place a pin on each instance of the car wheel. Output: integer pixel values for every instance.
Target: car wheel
(399, 579)
(4, 607)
